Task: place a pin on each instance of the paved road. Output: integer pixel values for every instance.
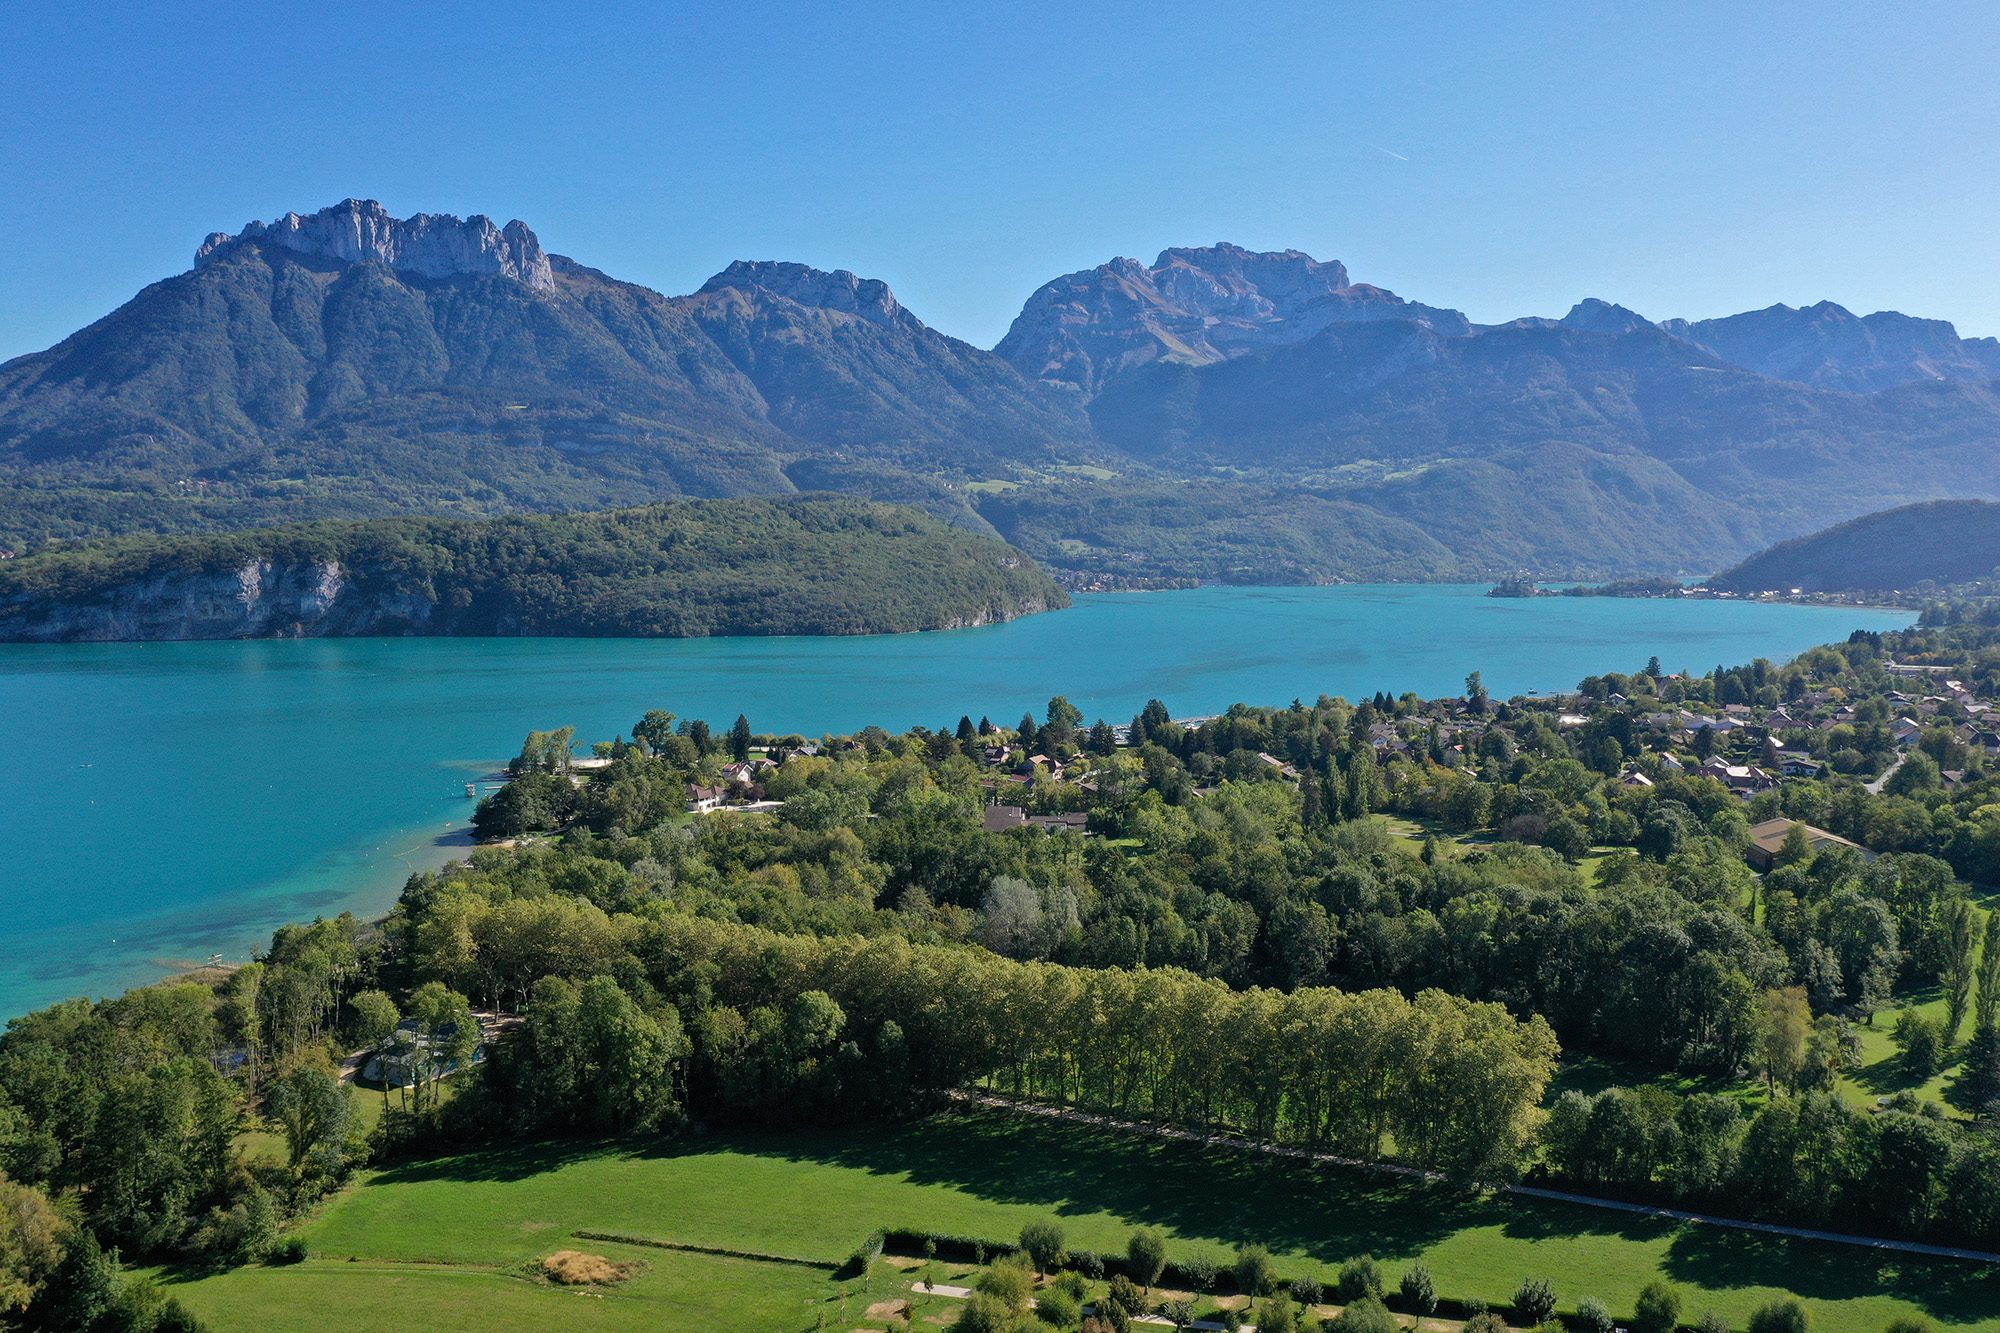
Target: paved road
(1279, 1150)
(1876, 786)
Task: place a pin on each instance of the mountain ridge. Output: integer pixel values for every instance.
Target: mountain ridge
(348, 364)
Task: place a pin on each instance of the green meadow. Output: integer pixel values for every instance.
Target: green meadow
(450, 1243)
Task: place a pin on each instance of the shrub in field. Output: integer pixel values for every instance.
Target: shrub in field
(1200, 1270)
(1056, 1308)
(1125, 1294)
(1593, 1316)
(1307, 1291)
(1145, 1257)
(1535, 1300)
(1254, 1275)
(1420, 1290)
(1009, 1280)
(1786, 1316)
(1359, 1277)
(1659, 1309)
(1367, 1315)
(1042, 1241)
(984, 1314)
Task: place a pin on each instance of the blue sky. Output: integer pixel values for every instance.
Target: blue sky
(1689, 159)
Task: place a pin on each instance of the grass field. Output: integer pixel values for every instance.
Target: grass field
(436, 1242)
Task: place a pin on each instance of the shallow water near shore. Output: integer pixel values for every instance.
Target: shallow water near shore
(175, 800)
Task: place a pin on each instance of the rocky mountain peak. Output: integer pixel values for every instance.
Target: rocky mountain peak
(1595, 316)
(435, 245)
(1194, 305)
(865, 298)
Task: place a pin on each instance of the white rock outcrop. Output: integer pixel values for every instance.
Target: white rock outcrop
(259, 600)
(434, 245)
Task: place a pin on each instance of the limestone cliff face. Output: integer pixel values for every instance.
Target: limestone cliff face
(435, 245)
(1195, 305)
(260, 600)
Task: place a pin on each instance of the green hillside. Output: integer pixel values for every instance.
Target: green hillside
(691, 568)
(1943, 542)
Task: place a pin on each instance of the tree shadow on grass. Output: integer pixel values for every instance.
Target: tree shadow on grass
(514, 1162)
(1328, 1213)
(1953, 1290)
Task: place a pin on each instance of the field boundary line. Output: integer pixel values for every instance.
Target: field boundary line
(616, 1239)
(1000, 1102)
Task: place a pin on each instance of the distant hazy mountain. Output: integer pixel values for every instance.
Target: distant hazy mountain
(1192, 307)
(1830, 347)
(1221, 413)
(1944, 542)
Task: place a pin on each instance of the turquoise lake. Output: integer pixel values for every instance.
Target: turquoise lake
(171, 801)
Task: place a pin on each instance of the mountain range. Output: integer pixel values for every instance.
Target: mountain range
(1221, 413)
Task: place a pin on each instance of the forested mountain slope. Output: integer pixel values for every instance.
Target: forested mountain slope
(271, 383)
(692, 568)
(1945, 542)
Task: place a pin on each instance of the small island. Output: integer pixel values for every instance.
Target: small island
(1633, 587)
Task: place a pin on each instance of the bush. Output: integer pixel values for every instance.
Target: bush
(1125, 1294)
(1009, 1280)
(1089, 1263)
(1057, 1308)
(1070, 1285)
(1146, 1257)
(1253, 1271)
(1786, 1316)
(870, 1251)
(1420, 1290)
(1307, 1291)
(984, 1314)
(1179, 1313)
(1042, 1240)
(1366, 1315)
(1360, 1278)
(1485, 1322)
(1711, 1322)
(286, 1250)
(1593, 1316)
(1200, 1271)
(1277, 1316)
(1658, 1310)
(1535, 1299)
(1909, 1324)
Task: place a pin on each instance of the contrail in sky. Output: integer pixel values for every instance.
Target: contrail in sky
(1398, 156)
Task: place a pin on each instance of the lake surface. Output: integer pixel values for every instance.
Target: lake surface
(168, 801)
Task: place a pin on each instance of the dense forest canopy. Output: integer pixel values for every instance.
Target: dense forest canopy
(1375, 927)
(818, 564)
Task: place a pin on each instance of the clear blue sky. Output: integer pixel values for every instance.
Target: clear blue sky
(1684, 159)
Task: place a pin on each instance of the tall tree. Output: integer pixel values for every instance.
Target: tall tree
(653, 729)
(739, 738)
(1957, 974)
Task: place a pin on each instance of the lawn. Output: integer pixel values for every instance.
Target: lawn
(815, 1195)
(675, 1291)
